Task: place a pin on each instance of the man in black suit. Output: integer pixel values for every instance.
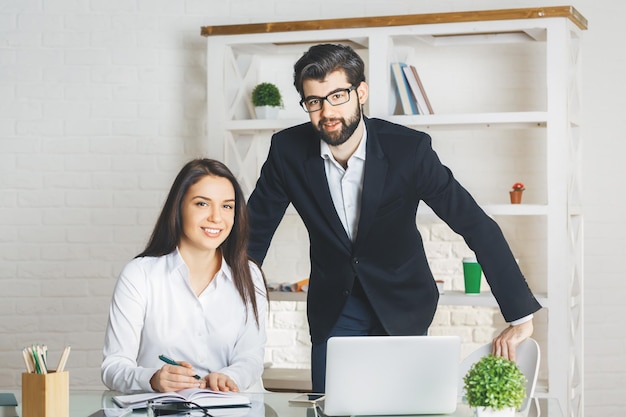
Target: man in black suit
(356, 183)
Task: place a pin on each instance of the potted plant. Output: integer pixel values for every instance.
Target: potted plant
(495, 386)
(516, 193)
(266, 99)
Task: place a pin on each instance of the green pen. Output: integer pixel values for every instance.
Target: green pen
(173, 362)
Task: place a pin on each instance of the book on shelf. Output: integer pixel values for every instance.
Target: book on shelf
(402, 87)
(417, 88)
(202, 397)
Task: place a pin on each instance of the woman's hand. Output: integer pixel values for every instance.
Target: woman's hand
(220, 382)
(174, 378)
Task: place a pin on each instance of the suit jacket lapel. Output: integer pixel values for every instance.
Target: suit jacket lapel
(319, 187)
(373, 184)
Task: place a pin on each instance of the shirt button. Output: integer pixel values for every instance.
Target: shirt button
(355, 260)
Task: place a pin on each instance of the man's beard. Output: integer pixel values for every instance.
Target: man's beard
(346, 131)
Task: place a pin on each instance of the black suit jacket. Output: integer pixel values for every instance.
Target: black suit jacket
(387, 255)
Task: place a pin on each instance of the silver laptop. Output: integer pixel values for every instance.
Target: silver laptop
(376, 375)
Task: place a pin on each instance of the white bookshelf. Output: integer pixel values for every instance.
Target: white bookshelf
(536, 52)
(455, 298)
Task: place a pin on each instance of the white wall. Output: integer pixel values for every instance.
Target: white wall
(101, 101)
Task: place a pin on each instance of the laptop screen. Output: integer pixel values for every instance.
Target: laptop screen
(376, 375)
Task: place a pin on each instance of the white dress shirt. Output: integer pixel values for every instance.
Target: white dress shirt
(155, 311)
(346, 186)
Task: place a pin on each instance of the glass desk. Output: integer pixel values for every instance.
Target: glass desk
(270, 404)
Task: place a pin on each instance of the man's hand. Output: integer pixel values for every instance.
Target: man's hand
(220, 382)
(174, 378)
(504, 345)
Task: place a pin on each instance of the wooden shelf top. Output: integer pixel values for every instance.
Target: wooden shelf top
(400, 20)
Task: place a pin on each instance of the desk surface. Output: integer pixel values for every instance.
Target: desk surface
(271, 404)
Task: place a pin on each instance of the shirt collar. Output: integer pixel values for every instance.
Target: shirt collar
(176, 262)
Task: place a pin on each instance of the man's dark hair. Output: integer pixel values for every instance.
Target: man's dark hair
(321, 60)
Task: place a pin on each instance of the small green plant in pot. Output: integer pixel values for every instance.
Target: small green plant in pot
(495, 386)
(266, 99)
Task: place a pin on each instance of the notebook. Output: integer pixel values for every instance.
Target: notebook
(202, 397)
(376, 375)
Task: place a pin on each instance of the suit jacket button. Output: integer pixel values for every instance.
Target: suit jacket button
(355, 260)
(346, 292)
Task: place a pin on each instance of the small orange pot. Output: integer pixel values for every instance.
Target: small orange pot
(516, 197)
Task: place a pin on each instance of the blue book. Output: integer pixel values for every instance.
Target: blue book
(409, 106)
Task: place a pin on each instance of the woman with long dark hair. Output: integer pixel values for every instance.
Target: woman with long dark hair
(192, 295)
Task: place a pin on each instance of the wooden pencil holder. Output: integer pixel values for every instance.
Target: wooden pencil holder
(46, 395)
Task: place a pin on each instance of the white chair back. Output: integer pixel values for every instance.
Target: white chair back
(533, 408)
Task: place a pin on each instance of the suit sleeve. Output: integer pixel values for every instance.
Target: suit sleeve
(266, 205)
(454, 205)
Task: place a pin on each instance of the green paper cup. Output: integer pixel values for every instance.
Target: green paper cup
(472, 273)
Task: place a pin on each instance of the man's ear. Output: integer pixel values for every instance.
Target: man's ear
(363, 91)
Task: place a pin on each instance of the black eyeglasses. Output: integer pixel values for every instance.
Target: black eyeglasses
(183, 408)
(313, 104)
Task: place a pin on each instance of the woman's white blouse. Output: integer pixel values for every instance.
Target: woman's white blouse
(155, 311)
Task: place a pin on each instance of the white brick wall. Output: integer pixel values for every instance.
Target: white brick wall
(102, 101)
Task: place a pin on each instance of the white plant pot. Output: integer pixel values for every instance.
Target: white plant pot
(490, 412)
(266, 112)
